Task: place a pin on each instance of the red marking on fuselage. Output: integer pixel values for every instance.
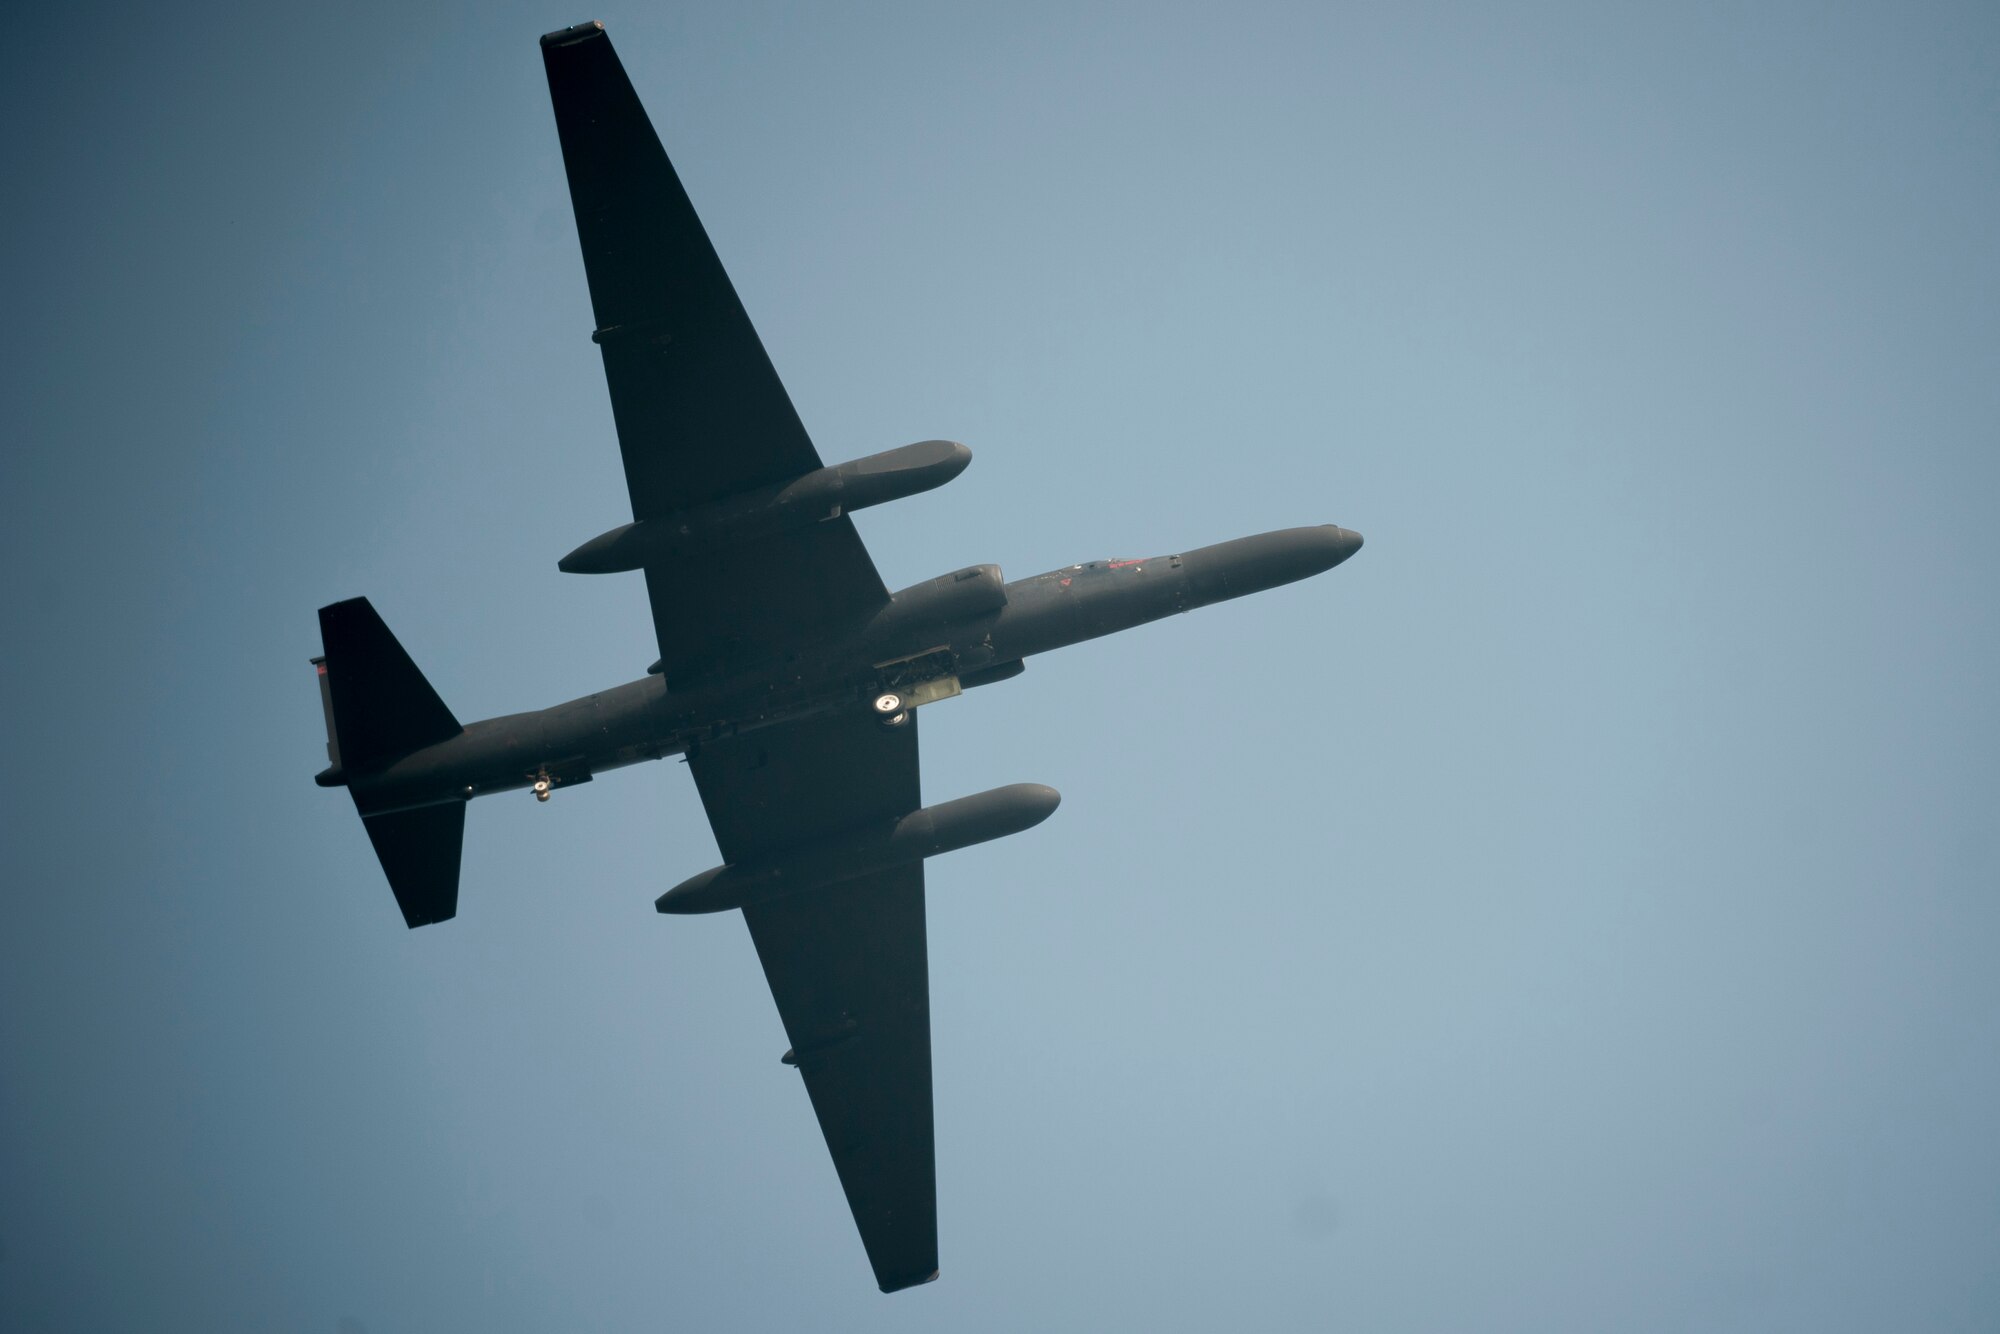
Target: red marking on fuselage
(1121, 564)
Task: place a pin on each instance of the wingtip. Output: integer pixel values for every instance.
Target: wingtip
(897, 1285)
(570, 36)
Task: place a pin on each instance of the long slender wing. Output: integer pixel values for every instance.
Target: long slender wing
(700, 412)
(846, 964)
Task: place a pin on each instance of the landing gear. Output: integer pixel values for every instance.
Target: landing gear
(890, 710)
(544, 779)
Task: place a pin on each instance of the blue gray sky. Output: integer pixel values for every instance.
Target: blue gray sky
(1577, 912)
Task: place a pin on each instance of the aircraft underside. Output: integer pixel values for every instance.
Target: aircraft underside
(788, 675)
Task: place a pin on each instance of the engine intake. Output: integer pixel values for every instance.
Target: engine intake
(928, 610)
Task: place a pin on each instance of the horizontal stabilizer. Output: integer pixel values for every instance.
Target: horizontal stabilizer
(420, 853)
(382, 706)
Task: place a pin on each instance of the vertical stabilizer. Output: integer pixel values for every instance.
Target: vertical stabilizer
(382, 706)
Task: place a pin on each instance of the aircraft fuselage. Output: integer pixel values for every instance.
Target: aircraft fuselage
(931, 641)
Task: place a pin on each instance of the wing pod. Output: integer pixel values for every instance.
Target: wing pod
(945, 827)
(826, 493)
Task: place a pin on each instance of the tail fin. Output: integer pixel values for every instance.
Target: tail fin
(379, 708)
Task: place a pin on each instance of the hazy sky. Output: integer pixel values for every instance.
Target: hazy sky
(1578, 912)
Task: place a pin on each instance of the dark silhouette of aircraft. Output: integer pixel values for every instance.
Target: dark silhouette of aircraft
(788, 675)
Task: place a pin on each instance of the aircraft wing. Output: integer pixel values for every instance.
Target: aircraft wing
(700, 412)
(846, 963)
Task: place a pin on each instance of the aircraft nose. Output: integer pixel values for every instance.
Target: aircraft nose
(1340, 543)
(1266, 560)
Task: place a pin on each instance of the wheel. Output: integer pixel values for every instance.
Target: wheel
(896, 719)
(542, 786)
(887, 703)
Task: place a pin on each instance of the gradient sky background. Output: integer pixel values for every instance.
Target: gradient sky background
(1578, 912)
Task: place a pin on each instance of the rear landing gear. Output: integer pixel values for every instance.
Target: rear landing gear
(542, 787)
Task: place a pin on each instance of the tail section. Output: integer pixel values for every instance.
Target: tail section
(379, 708)
(419, 851)
(332, 775)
